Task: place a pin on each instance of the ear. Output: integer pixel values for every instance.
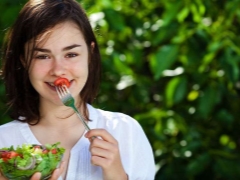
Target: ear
(92, 46)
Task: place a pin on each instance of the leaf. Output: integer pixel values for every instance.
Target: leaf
(176, 90)
(163, 59)
(198, 164)
(230, 65)
(196, 13)
(171, 12)
(164, 34)
(227, 169)
(193, 95)
(207, 102)
(121, 66)
(115, 19)
(183, 14)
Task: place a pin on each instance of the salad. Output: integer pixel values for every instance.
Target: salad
(21, 163)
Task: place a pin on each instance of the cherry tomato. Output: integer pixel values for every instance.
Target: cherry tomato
(4, 154)
(62, 81)
(54, 151)
(12, 154)
(9, 155)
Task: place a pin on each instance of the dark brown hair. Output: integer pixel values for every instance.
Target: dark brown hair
(35, 18)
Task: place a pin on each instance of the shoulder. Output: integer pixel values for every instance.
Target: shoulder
(8, 126)
(116, 122)
(10, 133)
(114, 119)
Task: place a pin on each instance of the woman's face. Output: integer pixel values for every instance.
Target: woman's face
(60, 52)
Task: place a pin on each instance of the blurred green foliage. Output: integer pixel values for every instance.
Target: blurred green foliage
(173, 66)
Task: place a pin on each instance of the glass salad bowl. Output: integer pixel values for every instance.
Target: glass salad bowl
(22, 162)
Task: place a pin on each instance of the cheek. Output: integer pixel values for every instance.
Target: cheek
(36, 71)
(80, 69)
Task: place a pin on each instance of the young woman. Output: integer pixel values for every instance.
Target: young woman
(53, 39)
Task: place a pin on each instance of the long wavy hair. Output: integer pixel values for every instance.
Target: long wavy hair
(35, 18)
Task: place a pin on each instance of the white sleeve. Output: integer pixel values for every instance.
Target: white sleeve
(135, 150)
(142, 158)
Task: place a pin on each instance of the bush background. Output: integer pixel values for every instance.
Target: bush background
(173, 66)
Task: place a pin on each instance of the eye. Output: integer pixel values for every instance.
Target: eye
(42, 57)
(70, 55)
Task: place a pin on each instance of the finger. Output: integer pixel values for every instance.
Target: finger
(62, 166)
(100, 161)
(101, 133)
(36, 176)
(1, 176)
(100, 152)
(55, 174)
(98, 143)
(110, 155)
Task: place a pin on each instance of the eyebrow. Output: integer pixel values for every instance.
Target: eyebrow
(64, 49)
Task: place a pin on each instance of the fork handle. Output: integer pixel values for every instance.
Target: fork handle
(83, 121)
(81, 118)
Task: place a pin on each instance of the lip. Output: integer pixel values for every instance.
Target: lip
(50, 87)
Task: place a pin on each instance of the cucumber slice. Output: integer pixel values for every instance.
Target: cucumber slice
(30, 164)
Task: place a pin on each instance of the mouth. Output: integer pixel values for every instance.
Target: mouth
(52, 86)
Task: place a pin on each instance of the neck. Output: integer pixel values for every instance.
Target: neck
(58, 112)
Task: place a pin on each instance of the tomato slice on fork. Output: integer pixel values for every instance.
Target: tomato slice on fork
(62, 81)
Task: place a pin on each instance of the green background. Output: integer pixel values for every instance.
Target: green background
(173, 65)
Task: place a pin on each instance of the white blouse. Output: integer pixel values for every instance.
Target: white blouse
(136, 152)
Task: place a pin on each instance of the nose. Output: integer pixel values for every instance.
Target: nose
(58, 67)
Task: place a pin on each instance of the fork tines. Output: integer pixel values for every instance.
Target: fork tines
(62, 91)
